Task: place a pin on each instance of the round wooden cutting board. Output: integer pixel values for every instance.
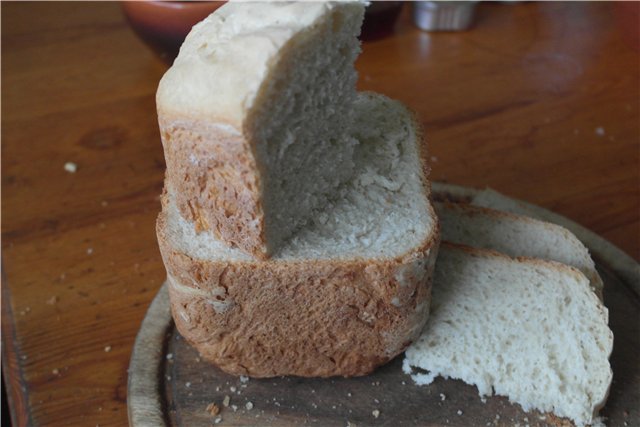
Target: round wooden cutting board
(170, 386)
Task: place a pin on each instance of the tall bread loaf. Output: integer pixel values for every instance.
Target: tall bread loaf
(253, 115)
(346, 294)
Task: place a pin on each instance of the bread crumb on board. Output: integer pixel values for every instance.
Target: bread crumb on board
(375, 413)
(52, 300)
(70, 167)
(107, 348)
(226, 401)
(213, 409)
(249, 406)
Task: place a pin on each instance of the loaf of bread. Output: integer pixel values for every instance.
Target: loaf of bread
(516, 236)
(253, 116)
(345, 294)
(528, 329)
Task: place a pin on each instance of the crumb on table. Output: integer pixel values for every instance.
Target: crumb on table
(213, 409)
(70, 167)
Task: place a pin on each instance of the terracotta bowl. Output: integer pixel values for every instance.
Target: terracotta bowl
(163, 25)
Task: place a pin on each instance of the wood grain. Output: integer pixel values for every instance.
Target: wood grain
(516, 103)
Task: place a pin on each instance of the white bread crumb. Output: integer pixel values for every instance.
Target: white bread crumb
(70, 167)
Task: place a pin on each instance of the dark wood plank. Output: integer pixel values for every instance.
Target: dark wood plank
(14, 386)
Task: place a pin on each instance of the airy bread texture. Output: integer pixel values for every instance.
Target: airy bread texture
(528, 329)
(253, 116)
(344, 295)
(516, 236)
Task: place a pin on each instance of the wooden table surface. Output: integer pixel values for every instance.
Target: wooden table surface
(538, 101)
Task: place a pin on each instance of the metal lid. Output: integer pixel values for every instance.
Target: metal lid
(443, 15)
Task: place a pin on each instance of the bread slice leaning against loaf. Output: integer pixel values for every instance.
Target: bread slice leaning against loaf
(253, 117)
(524, 328)
(516, 236)
(346, 294)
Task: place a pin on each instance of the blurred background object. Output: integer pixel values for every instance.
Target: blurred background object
(163, 25)
(379, 19)
(443, 15)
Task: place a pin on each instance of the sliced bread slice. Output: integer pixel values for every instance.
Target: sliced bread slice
(345, 294)
(527, 329)
(516, 236)
(253, 116)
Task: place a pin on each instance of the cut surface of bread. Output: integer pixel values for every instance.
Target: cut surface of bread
(253, 117)
(527, 329)
(344, 295)
(516, 236)
(383, 211)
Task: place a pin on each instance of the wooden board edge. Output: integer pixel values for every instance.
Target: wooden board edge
(144, 402)
(146, 408)
(11, 364)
